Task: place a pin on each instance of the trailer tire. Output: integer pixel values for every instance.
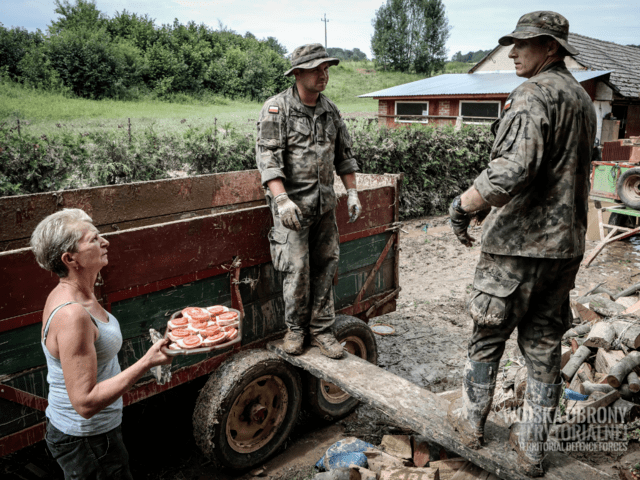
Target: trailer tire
(628, 188)
(324, 398)
(247, 409)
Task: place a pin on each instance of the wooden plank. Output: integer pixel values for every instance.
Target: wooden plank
(118, 204)
(426, 413)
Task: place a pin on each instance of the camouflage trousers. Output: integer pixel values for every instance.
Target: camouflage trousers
(530, 294)
(309, 260)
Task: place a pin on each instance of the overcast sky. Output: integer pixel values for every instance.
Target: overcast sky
(475, 25)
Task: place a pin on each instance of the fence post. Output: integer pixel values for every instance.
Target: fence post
(129, 130)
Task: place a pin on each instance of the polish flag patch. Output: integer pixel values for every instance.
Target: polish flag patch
(273, 109)
(507, 105)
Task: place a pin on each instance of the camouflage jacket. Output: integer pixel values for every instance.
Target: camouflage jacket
(303, 151)
(538, 178)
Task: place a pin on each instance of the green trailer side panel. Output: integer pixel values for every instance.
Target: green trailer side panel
(605, 179)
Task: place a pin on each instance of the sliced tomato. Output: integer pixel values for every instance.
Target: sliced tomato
(228, 316)
(217, 310)
(215, 339)
(192, 341)
(196, 314)
(211, 331)
(179, 322)
(232, 333)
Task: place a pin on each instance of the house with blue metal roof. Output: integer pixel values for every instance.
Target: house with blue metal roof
(610, 73)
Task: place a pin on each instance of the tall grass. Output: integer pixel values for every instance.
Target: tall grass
(47, 113)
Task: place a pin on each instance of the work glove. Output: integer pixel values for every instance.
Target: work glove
(353, 205)
(289, 212)
(460, 221)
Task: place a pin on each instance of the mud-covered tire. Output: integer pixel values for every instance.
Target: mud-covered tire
(628, 188)
(324, 398)
(247, 409)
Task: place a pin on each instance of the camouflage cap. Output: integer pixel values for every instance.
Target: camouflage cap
(536, 24)
(309, 56)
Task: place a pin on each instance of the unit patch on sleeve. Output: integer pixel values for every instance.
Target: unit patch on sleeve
(273, 109)
(507, 105)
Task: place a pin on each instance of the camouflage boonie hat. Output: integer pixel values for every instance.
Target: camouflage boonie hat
(536, 24)
(310, 56)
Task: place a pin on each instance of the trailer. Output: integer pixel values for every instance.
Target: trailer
(196, 241)
(203, 240)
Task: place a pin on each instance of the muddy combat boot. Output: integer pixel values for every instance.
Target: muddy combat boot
(469, 412)
(294, 342)
(528, 436)
(328, 344)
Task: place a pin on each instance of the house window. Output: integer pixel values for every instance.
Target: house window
(411, 110)
(479, 112)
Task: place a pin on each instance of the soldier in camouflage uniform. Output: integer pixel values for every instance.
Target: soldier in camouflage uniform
(536, 186)
(301, 141)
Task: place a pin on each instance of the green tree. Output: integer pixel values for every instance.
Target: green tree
(410, 35)
(14, 45)
(84, 14)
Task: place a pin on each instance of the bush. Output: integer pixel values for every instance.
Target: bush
(438, 162)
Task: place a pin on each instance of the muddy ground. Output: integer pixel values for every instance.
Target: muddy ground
(428, 348)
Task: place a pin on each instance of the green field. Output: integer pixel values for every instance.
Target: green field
(49, 113)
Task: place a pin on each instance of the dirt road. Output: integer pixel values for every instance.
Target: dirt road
(428, 348)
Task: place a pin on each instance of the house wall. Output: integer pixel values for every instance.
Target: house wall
(448, 106)
(500, 60)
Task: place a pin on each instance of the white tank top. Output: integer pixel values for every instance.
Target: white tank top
(60, 412)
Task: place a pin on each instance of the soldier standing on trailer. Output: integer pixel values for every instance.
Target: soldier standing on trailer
(301, 141)
(537, 186)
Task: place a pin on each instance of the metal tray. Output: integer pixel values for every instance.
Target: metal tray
(196, 351)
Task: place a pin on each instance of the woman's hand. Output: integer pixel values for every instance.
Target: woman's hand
(155, 355)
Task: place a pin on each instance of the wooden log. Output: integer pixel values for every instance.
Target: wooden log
(626, 302)
(634, 382)
(587, 388)
(415, 473)
(449, 467)
(602, 304)
(620, 370)
(596, 400)
(576, 384)
(601, 335)
(625, 392)
(587, 316)
(565, 356)
(397, 445)
(377, 460)
(628, 411)
(469, 471)
(577, 331)
(520, 385)
(574, 363)
(606, 360)
(628, 333)
(585, 373)
(627, 291)
(421, 453)
(574, 346)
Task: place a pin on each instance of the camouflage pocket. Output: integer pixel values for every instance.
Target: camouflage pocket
(269, 134)
(490, 304)
(280, 249)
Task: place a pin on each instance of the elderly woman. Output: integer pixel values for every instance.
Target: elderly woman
(81, 341)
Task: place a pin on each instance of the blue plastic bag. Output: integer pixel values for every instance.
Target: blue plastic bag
(348, 451)
(573, 395)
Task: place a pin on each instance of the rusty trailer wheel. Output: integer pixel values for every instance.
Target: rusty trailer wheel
(247, 409)
(628, 188)
(325, 398)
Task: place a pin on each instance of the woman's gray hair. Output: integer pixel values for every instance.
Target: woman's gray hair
(56, 235)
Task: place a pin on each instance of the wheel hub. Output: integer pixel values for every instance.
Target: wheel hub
(257, 413)
(333, 394)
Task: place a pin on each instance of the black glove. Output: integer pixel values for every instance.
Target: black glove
(460, 221)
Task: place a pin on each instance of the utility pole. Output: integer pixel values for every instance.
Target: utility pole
(325, 29)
